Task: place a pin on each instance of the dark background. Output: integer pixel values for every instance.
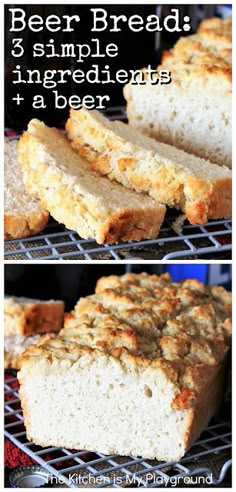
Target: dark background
(69, 282)
(136, 50)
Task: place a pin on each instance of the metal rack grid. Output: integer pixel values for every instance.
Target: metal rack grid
(209, 241)
(212, 241)
(210, 457)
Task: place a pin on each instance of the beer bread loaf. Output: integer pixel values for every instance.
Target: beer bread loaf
(137, 369)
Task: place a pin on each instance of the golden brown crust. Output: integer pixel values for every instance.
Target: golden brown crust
(19, 226)
(24, 316)
(206, 406)
(218, 202)
(197, 52)
(216, 26)
(206, 54)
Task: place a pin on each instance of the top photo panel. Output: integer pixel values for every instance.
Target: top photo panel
(118, 141)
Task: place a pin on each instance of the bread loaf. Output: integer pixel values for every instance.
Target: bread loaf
(24, 316)
(200, 189)
(137, 369)
(23, 215)
(77, 196)
(14, 346)
(194, 111)
(214, 26)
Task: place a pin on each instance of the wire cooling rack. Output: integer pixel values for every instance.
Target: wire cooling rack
(206, 463)
(211, 241)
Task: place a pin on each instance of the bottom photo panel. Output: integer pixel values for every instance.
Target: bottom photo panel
(117, 375)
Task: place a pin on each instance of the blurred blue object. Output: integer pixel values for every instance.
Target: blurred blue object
(180, 272)
(224, 10)
(216, 274)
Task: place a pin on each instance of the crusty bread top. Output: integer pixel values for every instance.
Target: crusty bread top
(202, 61)
(216, 31)
(16, 344)
(205, 57)
(16, 199)
(216, 25)
(197, 77)
(199, 50)
(20, 303)
(182, 329)
(24, 316)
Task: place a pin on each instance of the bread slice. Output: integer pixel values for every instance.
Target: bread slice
(24, 316)
(200, 189)
(194, 111)
(23, 215)
(77, 196)
(137, 370)
(14, 346)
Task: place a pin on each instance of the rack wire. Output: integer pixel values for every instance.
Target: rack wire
(211, 241)
(209, 457)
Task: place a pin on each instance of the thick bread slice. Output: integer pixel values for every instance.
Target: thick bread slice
(193, 112)
(76, 196)
(23, 215)
(137, 369)
(24, 316)
(14, 346)
(200, 189)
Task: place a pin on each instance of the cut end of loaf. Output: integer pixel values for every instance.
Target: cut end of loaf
(137, 426)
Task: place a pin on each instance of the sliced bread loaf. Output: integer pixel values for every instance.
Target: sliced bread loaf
(137, 370)
(23, 215)
(194, 111)
(200, 189)
(76, 196)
